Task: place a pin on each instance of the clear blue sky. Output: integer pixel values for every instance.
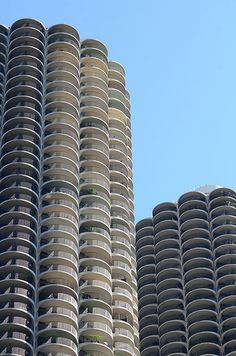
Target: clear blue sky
(180, 60)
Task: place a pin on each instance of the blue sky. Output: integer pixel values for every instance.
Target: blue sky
(180, 61)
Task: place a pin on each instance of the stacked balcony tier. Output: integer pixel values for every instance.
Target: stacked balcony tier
(186, 272)
(67, 266)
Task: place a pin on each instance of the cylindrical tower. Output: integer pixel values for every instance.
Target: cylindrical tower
(67, 267)
(186, 272)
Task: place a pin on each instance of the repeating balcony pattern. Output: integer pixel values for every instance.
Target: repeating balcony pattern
(186, 272)
(67, 248)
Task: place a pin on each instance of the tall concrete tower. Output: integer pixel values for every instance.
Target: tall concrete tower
(67, 255)
(186, 262)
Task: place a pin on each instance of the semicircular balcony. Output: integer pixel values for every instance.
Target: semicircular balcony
(91, 332)
(92, 82)
(204, 337)
(91, 67)
(188, 206)
(166, 244)
(174, 348)
(169, 284)
(222, 202)
(166, 234)
(24, 90)
(93, 247)
(15, 343)
(194, 223)
(63, 46)
(28, 41)
(195, 232)
(196, 252)
(57, 321)
(205, 348)
(196, 243)
(170, 312)
(64, 37)
(171, 326)
(202, 303)
(64, 28)
(26, 61)
(171, 337)
(30, 31)
(229, 348)
(164, 215)
(147, 299)
(123, 332)
(189, 215)
(96, 52)
(169, 294)
(56, 340)
(57, 267)
(63, 56)
(117, 136)
(191, 196)
(222, 192)
(221, 221)
(206, 326)
(117, 67)
(198, 283)
(196, 263)
(203, 315)
(165, 225)
(26, 71)
(27, 22)
(227, 229)
(26, 50)
(200, 293)
(144, 241)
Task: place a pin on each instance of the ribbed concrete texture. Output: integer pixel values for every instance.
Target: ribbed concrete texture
(186, 261)
(67, 254)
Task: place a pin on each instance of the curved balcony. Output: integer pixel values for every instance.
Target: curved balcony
(190, 215)
(95, 332)
(55, 340)
(196, 263)
(191, 196)
(64, 28)
(196, 243)
(27, 41)
(62, 86)
(30, 31)
(95, 53)
(63, 37)
(196, 252)
(174, 348)
(224, 230)
(199, 283)
(188, 206)
(27, 22)
(90, 345)
(207, 301)
(63, 46)
(95, 248)
(194, 224)
(63, 56)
